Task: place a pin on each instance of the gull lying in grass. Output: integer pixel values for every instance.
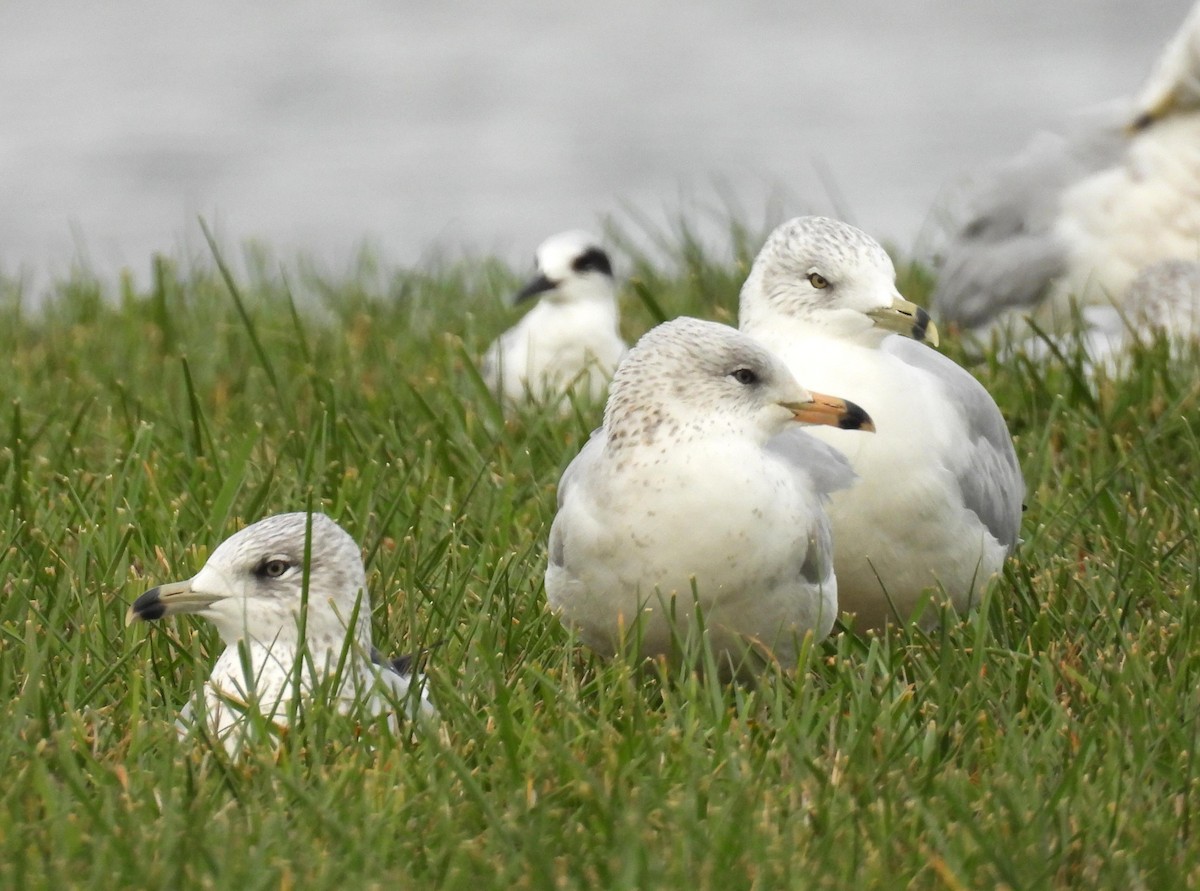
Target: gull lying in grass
(698, 492)
(253, 588)
(938, 500)
(1164, 300)
(1076, 218)
(570, 339)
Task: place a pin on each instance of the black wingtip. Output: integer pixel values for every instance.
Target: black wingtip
(403, 665)
(407, 664)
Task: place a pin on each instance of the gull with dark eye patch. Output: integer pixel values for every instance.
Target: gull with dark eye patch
(254, 589)
(570, 340)
(938, 503)
(700, 493)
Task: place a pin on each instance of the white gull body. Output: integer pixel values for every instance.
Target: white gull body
(252, 588)
(938, 502)
(570, 340)
(699, 490)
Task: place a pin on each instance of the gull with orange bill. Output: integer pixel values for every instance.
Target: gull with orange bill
(700, 505)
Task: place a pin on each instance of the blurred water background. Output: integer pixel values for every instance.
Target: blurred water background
(420, 129)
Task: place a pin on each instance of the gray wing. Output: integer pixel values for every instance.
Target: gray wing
(591, 448)
(586, 456)
(829, 470)
(987, 471)
(1009, 251)
(823, 464)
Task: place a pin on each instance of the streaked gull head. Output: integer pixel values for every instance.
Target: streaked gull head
(831, 274)
(253, 586)
(688, 378)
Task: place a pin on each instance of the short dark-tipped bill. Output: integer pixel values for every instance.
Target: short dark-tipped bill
(832, 412)
(905, 317)
(1155, 113)
(170, 599)
(539, 285)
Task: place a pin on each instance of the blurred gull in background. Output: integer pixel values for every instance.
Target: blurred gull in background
(570, 340)
(317, 127)
(1075, 217)
(1163, 301)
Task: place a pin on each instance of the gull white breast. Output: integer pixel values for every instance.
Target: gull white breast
(288, 596)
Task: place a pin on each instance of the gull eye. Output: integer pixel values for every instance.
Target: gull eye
(817, 280)
(273, 569)
(744, 376)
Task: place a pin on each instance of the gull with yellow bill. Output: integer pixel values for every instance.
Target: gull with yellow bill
(288, 596)
(938, 503)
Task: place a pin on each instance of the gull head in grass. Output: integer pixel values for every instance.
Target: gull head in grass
(570, 339)
(699, 505)
(938, 502)
(288, 597)
(825, 273)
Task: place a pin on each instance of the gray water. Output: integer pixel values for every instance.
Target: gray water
(415, 127)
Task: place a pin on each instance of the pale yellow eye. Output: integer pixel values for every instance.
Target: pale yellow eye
(817, 280)
(273, 569)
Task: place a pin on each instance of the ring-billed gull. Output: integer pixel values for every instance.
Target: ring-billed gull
(570, 339)
(696, 492)
(938, 501)
(253, 588)
(1075, 217)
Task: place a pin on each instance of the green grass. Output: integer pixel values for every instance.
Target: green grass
(1048, 741)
